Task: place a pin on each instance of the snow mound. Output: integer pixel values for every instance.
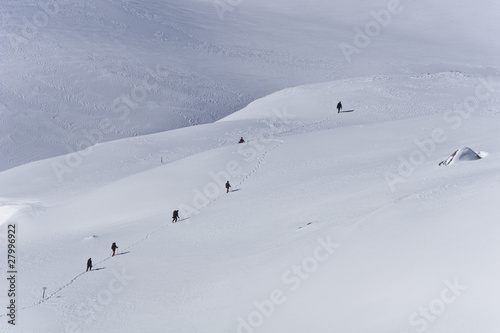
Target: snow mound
(464, 154)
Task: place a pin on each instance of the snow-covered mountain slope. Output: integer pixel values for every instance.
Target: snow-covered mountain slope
(338, 222)
(119, 68)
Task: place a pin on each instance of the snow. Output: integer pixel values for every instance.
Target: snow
(339, 222)
(78, 73)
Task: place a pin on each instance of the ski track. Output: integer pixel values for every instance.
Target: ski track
(245, 178)
(260, 161)
(257, 166)
(82, 273)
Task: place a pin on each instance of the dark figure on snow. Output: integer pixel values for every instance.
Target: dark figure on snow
(227, 186)
(241, 140)
(89, 264)
(339, 107)
(175, 216)
(113, 247)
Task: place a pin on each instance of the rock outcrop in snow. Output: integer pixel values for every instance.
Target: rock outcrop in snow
(463, 154)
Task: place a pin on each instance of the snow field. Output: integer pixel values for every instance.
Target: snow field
(335, 222)
(400, 258)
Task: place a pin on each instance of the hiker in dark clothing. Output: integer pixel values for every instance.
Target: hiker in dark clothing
(175, 216)
(227, 186)
(113, 247)
(339, 107)
(89, 264)
(241, 140)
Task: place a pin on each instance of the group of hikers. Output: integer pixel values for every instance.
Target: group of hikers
(89, 261)
(175, 215)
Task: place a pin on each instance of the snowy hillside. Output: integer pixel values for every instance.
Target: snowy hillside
(380, 218)
(335, 221)
(74, 73)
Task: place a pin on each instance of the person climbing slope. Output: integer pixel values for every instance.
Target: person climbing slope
(114, 247)
(227, 186)
(89, 264)
(175, 216)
